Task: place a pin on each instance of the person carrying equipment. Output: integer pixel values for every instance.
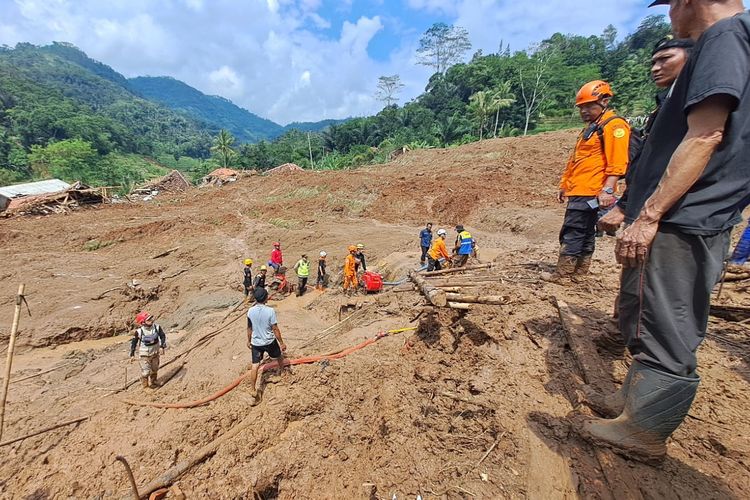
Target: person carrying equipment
(263, 336)
(360, 256)
(600, 158)
(302, 268)
(322, 280)
(247, 280)
(148, 338)
(277, 259)
(260, 278)
(425, 241)
(350, 270)
(438, 251)
(464, 246)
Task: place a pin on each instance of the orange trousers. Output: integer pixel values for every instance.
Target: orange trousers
(350, 281)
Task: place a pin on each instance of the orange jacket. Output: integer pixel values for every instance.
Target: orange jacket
(439, 249)
(349, 268)
(591, 164)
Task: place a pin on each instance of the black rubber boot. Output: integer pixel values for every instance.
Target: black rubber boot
(655, 405)
(610, 405)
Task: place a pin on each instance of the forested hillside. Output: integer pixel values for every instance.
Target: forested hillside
(216, 111)
(63, 114)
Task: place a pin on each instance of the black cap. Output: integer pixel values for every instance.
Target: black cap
(670, 42)
(659, 2)
(260, 294)
(459, 228)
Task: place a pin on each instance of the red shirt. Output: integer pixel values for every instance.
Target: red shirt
(276, 256)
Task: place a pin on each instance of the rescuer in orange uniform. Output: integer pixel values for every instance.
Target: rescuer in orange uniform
(599, 160)
(350, 270)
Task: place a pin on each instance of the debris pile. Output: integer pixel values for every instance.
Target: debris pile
(59, 202)
(286, 167)
(219, 177)
(173, 182)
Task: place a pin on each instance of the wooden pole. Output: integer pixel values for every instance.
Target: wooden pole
(434, 295)
(9, 359)
(462, 306)
(496, 300)
(46, 429)
(457, 269)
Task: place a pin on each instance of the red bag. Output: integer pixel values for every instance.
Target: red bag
(373, 282)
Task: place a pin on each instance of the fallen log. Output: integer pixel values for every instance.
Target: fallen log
(495, 300)
(451, 289)
(42, 431)
(456, 270)
(165, 253)
(435, 295)
(199, 456)
(730, 313)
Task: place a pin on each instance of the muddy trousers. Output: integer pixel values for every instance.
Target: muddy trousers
(301, 285)
(578, 233)
(350, 282)
(433, 264)
(664, 304)
(424, 254)
(149, 364)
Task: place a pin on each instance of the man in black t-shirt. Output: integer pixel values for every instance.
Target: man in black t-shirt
(692, 183)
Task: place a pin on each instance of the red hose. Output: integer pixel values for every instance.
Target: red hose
(267, 366)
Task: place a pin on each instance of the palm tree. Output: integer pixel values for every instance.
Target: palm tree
(481, 106)
(223, 147)
(502, 97)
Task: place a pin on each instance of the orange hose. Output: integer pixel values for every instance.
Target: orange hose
(267, 366)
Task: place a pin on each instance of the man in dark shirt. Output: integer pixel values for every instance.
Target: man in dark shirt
(425, 241)
(692, 182)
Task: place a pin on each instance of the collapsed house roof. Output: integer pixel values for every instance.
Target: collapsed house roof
(56, 202)
(286, 167)
(8, 193)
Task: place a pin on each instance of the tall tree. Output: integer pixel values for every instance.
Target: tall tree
(222, 148)
(443, 46)
(533, 82)
(388, 89)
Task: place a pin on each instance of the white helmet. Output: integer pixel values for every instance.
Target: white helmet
(323, 254)
(442, 232)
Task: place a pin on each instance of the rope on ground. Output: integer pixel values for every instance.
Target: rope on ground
(268, 366)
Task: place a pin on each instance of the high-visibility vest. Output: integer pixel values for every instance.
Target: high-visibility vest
(466, 243)
(303, 268)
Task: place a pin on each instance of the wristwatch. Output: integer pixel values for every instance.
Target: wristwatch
(608, 190)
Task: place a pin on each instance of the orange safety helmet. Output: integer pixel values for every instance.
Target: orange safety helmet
(352, 248)
(593, 91)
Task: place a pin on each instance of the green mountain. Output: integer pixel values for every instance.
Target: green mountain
(216, 111)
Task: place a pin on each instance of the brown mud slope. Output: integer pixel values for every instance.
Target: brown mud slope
(469, 405)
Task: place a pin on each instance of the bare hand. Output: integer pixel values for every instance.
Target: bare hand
(283, 347)
(249, 344)
(612, 220)
(631, 249)
(561, 196)
(606, 200)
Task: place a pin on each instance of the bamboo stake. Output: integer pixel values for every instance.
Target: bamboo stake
(9, 360)
(497, 300)
(460, 306)
(46, 429)
(456, 270)
(16, 380)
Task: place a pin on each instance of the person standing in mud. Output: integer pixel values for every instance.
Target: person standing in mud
(361, 260)
(247, 277)
(322, 280)
(148, 339)
(263, 336)
(425, 241)
(350, 271)
(588, 183)
(683, 207)
(464, 246)
(260, 278)
(302, 268)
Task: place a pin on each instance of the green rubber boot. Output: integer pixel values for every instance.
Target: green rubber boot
(609, 405)
(655, 405)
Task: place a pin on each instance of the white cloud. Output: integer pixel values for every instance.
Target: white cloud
(284, 59)
(226, 78)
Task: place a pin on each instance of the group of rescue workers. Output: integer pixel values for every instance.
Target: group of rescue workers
(436, 251)
(686, 181)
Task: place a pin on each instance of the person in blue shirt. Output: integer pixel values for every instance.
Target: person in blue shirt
(425, 241)
(464, 247)
(263, 336)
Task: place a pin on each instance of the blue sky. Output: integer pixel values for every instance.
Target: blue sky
(295, 60)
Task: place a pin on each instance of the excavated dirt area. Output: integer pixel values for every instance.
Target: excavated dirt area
(470, 404)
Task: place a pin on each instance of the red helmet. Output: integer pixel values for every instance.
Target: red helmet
(593, 91)
(276, 244)
(142, 317)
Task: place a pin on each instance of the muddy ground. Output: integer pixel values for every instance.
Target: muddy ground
(414, 413)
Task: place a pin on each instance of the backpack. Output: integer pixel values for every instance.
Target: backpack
(636, 137)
